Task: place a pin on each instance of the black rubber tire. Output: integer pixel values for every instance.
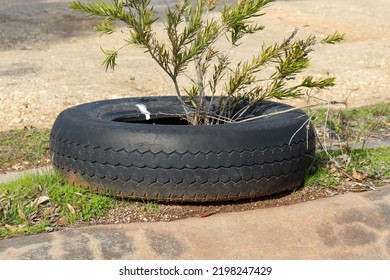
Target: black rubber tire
(181, 162)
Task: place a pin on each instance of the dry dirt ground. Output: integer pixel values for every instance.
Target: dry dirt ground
(50, 58)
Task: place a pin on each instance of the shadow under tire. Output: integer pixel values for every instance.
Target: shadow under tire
(107, 146)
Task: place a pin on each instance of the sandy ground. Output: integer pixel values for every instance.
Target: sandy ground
(50, 58)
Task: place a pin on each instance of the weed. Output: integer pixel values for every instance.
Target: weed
(146, 206)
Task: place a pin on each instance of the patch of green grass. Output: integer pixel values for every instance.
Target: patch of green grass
(35, 202)
(320, 178)
(353, 123)
(362, 113)
(370, 163)
(373, 161)
(146, 206)
(26, 148)
(382, 109)
(22, 230)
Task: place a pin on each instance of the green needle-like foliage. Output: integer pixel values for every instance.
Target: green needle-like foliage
(192, 30)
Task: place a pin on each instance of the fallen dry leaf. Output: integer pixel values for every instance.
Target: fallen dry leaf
(358, 176)
(11, 228)
(21, 214)
(41, 199)
(51, 210)
(61, 221)
(206, 214)
(71, 209)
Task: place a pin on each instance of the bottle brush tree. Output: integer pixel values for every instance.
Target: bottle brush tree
(220, 91)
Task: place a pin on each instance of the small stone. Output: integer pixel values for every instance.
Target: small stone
(49, 229)
(16, 166)
(16, 120)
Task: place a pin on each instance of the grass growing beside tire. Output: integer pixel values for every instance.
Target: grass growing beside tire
(361, 168)
(37, 203)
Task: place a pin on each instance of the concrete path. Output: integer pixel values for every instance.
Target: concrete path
(350, 226)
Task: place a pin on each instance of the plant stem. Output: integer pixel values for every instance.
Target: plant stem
(289, 110)
(180, 98)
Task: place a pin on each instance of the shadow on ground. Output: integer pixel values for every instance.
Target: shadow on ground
(28, 24)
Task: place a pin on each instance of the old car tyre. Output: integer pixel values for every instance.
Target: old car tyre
(110, 146)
